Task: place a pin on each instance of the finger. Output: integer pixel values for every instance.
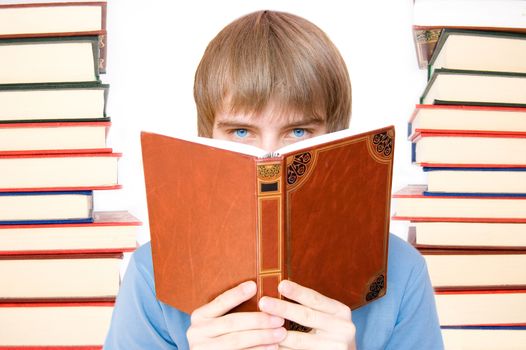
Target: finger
(297, 340)
(303, 315)
(314, 300)
(249, 339)
(225, 302)
(236, 322)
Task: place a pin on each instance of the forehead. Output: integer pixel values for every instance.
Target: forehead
(272, 113)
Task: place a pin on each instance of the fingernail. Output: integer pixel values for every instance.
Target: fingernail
(276, 321)
(248, 287)
(279, 333)
(285, 287)
(266, 303)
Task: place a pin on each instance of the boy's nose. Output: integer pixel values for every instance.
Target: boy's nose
(269, 143)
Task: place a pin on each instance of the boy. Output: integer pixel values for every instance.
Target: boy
(269, 79)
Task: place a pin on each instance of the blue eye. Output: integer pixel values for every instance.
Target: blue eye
(298, 132)
(241, 133)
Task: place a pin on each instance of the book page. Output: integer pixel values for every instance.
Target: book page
(224, 144)
(318, 140)
(260, 153)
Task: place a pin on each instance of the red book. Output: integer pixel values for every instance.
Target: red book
(414, 204)
(53, 137)
(110, 231)
(59, 171)
(54, 326)
(479, 307)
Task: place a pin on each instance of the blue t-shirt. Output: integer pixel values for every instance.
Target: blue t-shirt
(404, 319)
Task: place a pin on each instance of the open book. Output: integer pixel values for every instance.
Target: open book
(316, 212)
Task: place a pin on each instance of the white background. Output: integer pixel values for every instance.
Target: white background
(154, 48)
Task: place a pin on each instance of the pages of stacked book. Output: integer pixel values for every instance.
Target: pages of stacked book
(467, 118)
(466, 87)
(468, 235)
(66, 326)
(431, 16)
(488, 149)
(109, 231)
(503, 181)
(45, 207)
(51, 137)
(480, 51)
(484, 337)
(475, 269)
(51, 277)
(477, 308)
(59, 171)
(415, 205)
(59, 19)
(47, 60)
(53, 102)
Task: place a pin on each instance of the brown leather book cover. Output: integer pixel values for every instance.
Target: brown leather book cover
(318, 216)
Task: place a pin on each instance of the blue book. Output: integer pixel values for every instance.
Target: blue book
(50, 207)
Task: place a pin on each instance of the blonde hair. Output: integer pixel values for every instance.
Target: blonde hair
(272, 56)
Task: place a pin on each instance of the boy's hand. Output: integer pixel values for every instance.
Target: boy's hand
(329, 319)
(211, 329)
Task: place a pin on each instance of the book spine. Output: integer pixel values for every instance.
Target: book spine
(271, 240)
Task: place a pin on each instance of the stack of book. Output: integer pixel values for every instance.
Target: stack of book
(469, 220)
(59, 260)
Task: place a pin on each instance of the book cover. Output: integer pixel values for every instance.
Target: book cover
(316, 215)
(56, 326)
(110, 231)
(59, 171)
(53, 101)
(59, 19)
(49, 137)
(48, 60)
(412, 204)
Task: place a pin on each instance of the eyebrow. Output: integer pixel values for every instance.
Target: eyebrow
(242, 124)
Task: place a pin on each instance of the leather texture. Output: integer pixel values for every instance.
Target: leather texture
(216, 220)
